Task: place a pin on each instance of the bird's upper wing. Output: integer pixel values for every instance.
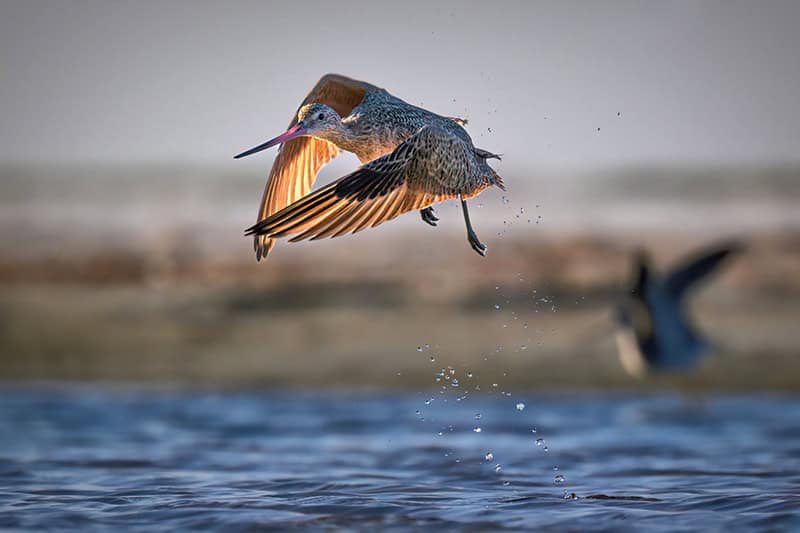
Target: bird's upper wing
(299, 159)
(693, 270)
(431, 166)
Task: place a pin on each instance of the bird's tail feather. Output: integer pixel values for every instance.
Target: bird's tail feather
(486, 154)
(494, 177)
(498, 181)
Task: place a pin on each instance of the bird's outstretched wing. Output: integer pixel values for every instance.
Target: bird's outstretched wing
(691, 271)
(299, 160)
(431, 166)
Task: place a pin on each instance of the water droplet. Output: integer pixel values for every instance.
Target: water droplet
(419, 348)
(497, 306)
(540, 442)
(520, 406)
(427, 346)
(477, 429)
(417, 411)
(498, 467)
(570, 496)
(469, 375)
(555, 469)
(559, 479)
(533, 430)
(506, 483)
(489, 456)
(478, 416)
(433, 359)
(546, 449)
(428, 401)
(454, 383)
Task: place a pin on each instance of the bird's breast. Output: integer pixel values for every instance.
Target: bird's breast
(377, 143)
(374, 152)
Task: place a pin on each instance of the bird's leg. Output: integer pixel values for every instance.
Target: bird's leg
(429, 216)
(476, 244)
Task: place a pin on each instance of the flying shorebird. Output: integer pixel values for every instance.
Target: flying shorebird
(412, 158)
(656, 332)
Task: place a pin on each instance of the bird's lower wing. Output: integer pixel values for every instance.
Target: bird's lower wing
(299, 160)
(407, 179)
(292, 176)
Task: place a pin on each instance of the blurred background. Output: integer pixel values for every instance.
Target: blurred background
(666, 125)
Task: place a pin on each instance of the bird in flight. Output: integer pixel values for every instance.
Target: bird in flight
(655, 330)
(411, 158)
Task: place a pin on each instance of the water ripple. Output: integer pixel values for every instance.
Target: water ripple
(93, 459)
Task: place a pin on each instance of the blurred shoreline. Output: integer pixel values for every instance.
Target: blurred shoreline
(128, 275)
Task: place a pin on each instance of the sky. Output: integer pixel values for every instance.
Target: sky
(551, 85)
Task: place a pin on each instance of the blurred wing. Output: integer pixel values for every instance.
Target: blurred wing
(429, 167)
(690, 272)
(299, 160)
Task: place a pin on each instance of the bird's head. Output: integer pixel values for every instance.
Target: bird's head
(314, 120)
(318, 119)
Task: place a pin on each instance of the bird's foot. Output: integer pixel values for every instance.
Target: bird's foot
(476, 244)
(429, 216)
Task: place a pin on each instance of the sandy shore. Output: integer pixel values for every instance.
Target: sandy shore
(161, 291)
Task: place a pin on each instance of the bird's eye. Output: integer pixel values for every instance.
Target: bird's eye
(320, 116)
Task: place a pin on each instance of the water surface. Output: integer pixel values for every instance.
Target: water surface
(97, 458)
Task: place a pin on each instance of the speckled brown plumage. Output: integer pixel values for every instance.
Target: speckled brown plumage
(413, 159)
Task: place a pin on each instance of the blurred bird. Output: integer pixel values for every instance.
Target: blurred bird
(413, 159)
(656, 332)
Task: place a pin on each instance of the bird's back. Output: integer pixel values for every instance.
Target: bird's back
(382, 121)
(677, 344)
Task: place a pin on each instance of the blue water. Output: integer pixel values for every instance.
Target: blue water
(93, 458)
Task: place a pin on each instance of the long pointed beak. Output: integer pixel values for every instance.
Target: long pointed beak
(291, 133)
